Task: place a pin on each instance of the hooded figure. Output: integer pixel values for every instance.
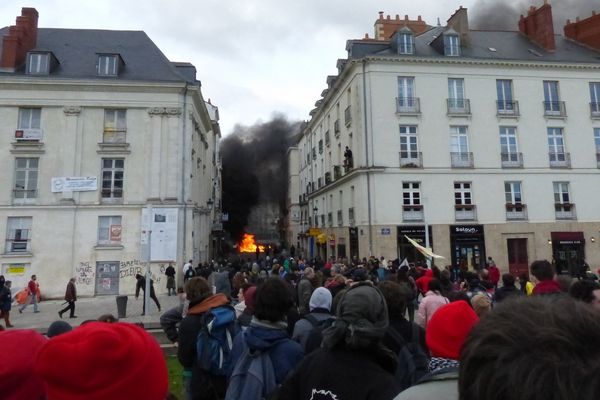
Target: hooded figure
(351, 348)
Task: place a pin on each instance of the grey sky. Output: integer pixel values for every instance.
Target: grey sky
(254, 57)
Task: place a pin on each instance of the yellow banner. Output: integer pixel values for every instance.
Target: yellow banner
(314, 232)
(15, 270)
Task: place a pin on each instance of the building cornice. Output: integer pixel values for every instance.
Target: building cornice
(18, 83)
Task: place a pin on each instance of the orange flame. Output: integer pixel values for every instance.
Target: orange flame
(248, 245)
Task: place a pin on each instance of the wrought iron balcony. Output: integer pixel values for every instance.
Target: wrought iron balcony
(511, 160)
(555, 109)
(559, 160)
(408, 105)
(564, 211)
(516, 212)
(595, 109)
(507, 108)
(411, 159)
(462, 160)
(412, 212)
(465, 212)
(459, 106)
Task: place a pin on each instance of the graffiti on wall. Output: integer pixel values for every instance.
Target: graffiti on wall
(85, 273)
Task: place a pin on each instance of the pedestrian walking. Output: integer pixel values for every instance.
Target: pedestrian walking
(32, 288)
(188, 271)
(70, 298)
(141, 284)
(5, 301)
(170, 273)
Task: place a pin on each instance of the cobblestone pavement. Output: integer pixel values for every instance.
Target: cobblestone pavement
(87, 308)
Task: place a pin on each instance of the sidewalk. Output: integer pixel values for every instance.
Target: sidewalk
(88, 308)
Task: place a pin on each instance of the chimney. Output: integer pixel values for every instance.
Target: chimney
(537, 26)
(21, 38)
(459, 21)
(585, 31)
(386, 27)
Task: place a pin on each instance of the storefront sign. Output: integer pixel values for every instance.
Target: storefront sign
(74, 184)
(467, 230)
(386, 231)
(15, 269)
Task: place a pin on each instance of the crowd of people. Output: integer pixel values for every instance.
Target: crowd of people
(368, 329)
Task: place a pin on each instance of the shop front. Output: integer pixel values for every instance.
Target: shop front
(468, 246)
(406, 249)
(568, 252)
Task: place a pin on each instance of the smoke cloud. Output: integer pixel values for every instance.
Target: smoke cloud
(505, 14)
(255, 169)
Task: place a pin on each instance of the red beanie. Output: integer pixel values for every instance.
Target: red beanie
(103, 361)
(17, 378)
(448, 328)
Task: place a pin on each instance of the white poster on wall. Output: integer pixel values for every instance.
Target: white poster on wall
(160, 229)
(74, 184)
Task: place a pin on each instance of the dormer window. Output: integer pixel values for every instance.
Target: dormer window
(109, 64)
(38, 63)
(405, 42)
(451, 44)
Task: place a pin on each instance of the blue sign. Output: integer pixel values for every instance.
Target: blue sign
(386, 231)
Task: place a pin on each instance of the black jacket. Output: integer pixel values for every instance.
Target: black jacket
(505, 292)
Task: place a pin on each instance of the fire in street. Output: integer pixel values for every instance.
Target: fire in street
(248, 245)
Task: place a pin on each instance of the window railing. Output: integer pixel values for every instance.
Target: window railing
(412, 212)
(564, 211)
(516, 212)
(511, 160)
(408, 105)
(559, 160)
(348, 116)
(595, 109)
(24, 193)
(507, 108)
(461, 160)
(598, 159)
(555, 109)
(459, 106)
(411, 159)
(465, 212)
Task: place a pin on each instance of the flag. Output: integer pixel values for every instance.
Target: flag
(424, 250)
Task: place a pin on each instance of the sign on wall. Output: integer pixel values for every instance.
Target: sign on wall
(74, 184)
(160, 230)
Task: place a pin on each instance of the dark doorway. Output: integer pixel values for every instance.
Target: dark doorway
(353, 239)
(568, 252)
(518, 261)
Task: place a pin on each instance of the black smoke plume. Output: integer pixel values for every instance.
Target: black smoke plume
(255, 169)
(505, 14)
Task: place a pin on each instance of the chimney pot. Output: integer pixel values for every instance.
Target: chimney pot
(380, 14)
(405, 17)
(568, 21)
(388, 17)
(397, 17)
(419, 18)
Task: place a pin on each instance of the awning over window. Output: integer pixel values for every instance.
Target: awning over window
(567, 237)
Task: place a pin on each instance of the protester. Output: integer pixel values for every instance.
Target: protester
(32, 289)
(481, 304)
(543, 272)
(188, 271)
(58, 328)
(5, 301)
(249, 299)
(538, 348)
(352, 349)
(101, 361)
(305, 288)
(407, 281)
(507, 290)
(141, 284)
(587, 291)
(432, 301)
(170, 274)
(318, 318)
(18, 380)
(70, 298)
(526, 286)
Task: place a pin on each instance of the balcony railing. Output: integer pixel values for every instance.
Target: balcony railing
(465, 212)
(336, 128)
(461, 160)
(511, 160)
(516, 212)
(595, 109)
(340, 218)
(337, 172)
(327, 178)
(559, 160)
(459, 106)
(412, 212)
(555, 109)
(408, 105)
(348, 116)
(564, 211)
(507, 108)
(410, 159)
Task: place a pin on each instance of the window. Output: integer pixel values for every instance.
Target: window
(512, 192)
(112, 178)
(506, 104)
(26, 177)
(509, 150)
(411, 194)
(462, 193)
(115, 126)
(409, 147)
(552, 103)
(456, 96)
(38, 63)
(108, 65)
(30, 118)
(109, 230)
(459, 147)
(405, 43)
(321, 146)
(18, 234)
(595, 98)
(556, 147)
(406, 94)
(597, 139)
(451, 45)
(563, 207)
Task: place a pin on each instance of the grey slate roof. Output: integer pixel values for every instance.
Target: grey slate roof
(77, 49)
(509, 45)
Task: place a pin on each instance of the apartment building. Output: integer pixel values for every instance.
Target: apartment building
(489, 141)
(110, 158)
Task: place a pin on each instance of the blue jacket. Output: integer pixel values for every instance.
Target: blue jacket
(285, 353)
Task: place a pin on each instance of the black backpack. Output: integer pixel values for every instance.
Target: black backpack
(190, 273)
(412, 360)
(315, 337)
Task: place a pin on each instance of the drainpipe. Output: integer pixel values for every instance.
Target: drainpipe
(364, 65)
(183, 172)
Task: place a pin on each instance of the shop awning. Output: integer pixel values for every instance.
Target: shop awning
(567, 237)
(424, 250)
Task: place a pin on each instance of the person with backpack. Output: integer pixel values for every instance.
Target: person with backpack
(352, 363)
(406, 339)
(201, 380)
(188, 271)
(308, 330)
(263, 355)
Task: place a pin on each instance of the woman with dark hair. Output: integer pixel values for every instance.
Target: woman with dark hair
(408, 284)
(431, 302)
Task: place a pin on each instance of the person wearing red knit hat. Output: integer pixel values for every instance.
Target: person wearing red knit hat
(17, 378)
(445, 335)
(98, 360)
